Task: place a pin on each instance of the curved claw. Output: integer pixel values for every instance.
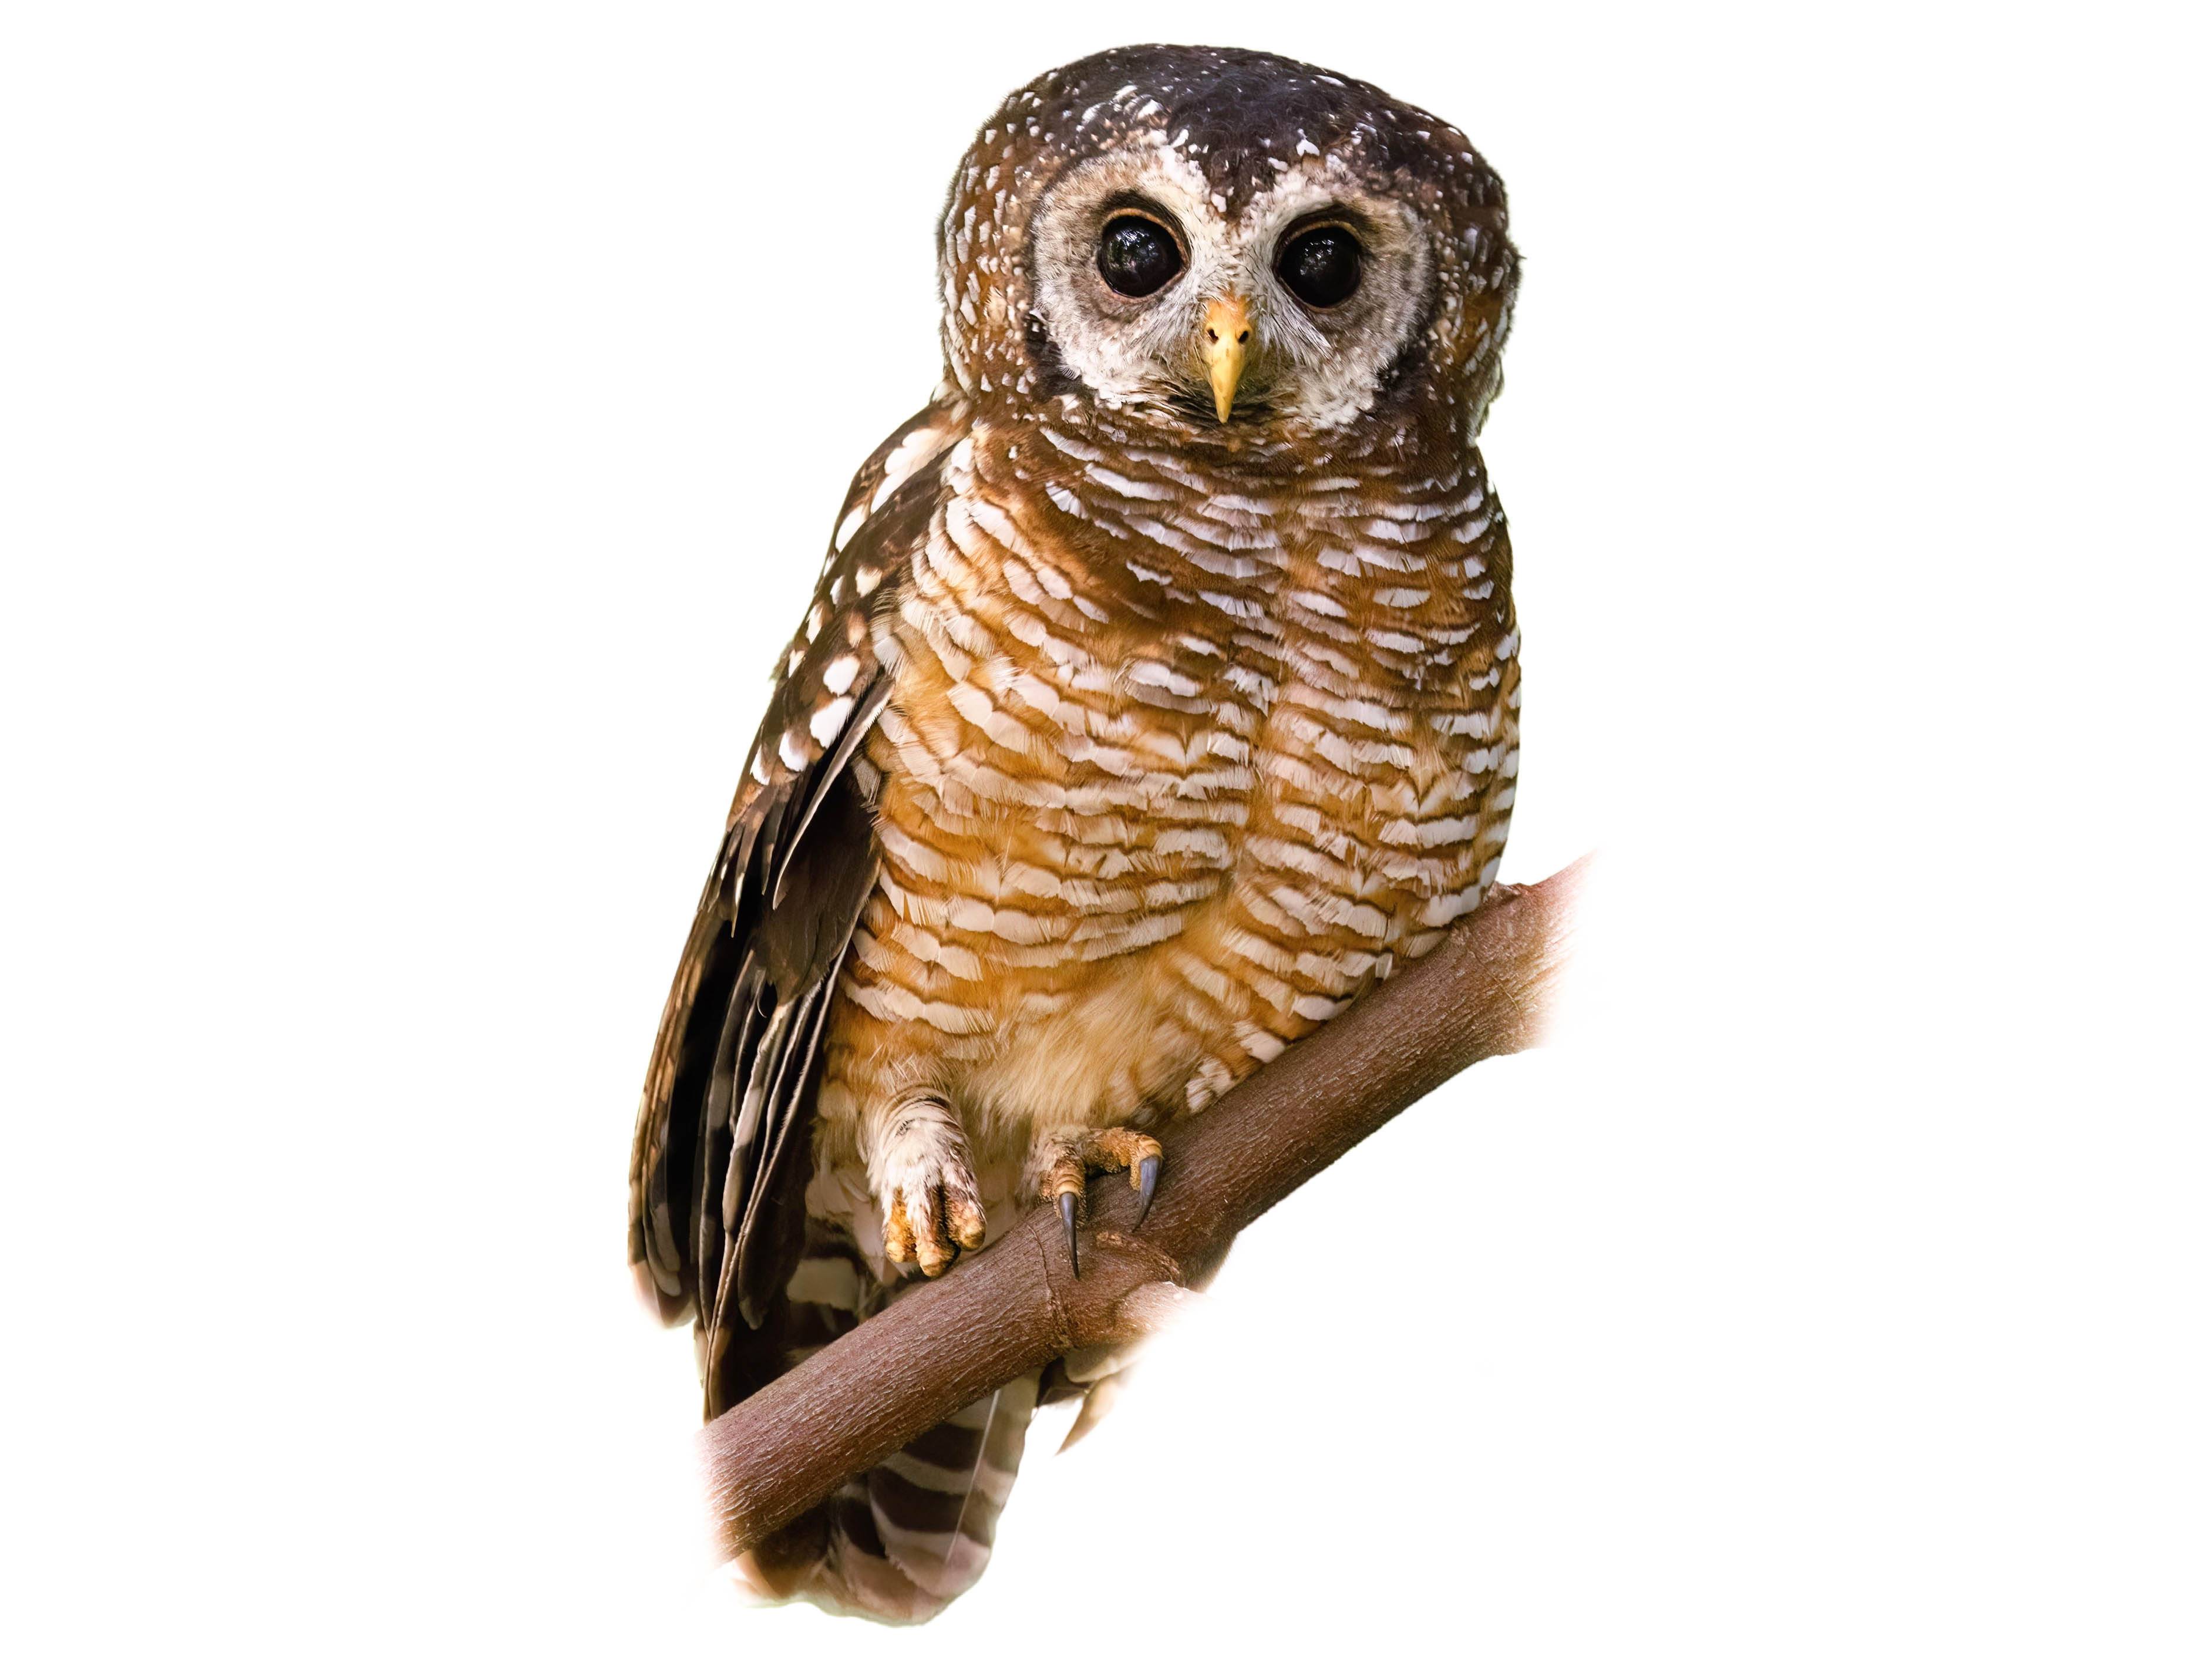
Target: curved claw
(1148, 1177)
(1067, 1221)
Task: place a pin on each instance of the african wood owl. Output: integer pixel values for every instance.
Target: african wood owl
(1157, 697)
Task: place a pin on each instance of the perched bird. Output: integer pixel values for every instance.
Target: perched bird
(1159, 696)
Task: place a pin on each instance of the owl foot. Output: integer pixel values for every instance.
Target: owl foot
(922, 1173)
(1064, 1162)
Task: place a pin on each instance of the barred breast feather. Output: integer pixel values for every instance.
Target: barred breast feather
(1177, 762)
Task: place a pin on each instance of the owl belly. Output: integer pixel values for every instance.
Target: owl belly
(1157, 795)
(1079, 948)
(1039, 898)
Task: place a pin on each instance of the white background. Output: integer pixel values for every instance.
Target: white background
(419, 425)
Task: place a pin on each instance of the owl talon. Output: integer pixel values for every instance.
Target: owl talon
(932, 1210)
(1148, 1177)
(1064, 1160)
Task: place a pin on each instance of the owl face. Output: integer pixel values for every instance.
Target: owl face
(1295, 308)
(1227, 247)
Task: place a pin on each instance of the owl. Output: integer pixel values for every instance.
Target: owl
(1157, 699)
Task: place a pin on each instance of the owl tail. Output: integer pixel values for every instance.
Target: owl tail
(899, 1541)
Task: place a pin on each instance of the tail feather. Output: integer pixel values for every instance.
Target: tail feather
(899, 1541)
(937, 1501)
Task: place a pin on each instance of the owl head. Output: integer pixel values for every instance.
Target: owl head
(1227, 248)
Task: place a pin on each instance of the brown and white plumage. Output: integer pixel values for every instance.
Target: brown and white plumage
(1147, 713)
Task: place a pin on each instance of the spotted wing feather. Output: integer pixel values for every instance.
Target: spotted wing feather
(718, 1168)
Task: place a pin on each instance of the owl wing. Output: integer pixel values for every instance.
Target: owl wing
(721, 1161)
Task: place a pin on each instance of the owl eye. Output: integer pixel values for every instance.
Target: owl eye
(1137, 256)
(1321, 266)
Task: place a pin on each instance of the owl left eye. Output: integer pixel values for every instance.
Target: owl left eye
(1321, 267)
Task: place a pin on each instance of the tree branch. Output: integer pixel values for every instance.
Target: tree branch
(1484, 990)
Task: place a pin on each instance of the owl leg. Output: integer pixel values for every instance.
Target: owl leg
(920, 1168)
(1062, 1161)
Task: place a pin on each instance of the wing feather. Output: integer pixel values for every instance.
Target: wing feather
(718, 1166)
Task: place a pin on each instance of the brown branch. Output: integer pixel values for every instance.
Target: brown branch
(1010, 1308)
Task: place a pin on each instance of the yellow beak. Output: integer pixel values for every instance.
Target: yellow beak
(1228, 331)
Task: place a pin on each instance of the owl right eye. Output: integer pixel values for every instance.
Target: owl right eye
(1137, 256)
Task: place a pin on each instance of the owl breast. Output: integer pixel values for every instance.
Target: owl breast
(1176, 764)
